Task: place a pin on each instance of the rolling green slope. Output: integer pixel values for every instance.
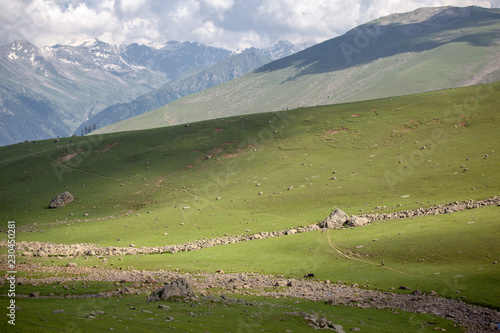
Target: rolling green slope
(409, 150)
(278, 170)
(425, 50)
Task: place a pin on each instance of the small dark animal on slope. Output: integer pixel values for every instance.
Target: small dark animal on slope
(310, 275)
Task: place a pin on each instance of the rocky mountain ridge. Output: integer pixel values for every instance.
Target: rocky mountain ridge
(49, 91)
(226, 70)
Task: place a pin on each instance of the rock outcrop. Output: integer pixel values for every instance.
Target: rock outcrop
(335, 220)
(357, 221)
(61, 200)
(178, 288)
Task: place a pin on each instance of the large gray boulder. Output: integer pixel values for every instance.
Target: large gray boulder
(335, 220)
(357, 221)
(177, 288)
(61, 200)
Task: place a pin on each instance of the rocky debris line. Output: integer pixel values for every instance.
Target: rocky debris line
(178, 288)
(61, 200)
(43, 249)
(338, 218)
(474, 317)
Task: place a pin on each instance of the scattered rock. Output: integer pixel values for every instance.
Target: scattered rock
(125, 290)
(72, 264)
(58, 311)
(61, 200)
(322, 323)
(494, 326)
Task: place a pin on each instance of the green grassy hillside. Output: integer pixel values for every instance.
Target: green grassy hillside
(409, 150)
(278, 170)
(428, 49)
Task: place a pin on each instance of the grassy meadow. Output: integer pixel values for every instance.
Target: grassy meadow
(272, 171)
(132, 314)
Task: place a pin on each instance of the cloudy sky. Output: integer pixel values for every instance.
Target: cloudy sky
(232, 24)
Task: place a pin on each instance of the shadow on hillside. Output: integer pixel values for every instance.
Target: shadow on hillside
(374, 41)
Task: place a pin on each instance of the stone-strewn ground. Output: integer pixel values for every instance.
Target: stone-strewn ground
(473, 318)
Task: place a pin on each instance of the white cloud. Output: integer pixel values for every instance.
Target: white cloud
(131, 6)
(227, 23)
(208, 31)
(220, 4)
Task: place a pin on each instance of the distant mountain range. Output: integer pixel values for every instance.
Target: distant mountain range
(226, 70)
(424, 50)
(53, 91)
